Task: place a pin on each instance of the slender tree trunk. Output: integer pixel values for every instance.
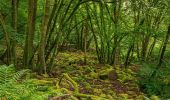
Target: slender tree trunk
(117, 9)
(28, 52)
(163, 49)
(145, 43)
(41, 55)
(7, 38)
(14, 25)
(151, 48)
(155, 26)
(52, 16)
(128, 55)
(51, 29)
(85, 42)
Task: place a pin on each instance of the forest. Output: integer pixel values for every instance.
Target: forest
(84, 49)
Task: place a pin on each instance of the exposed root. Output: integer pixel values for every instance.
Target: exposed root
(75, 94)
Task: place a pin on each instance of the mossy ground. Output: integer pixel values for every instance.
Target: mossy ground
(91, 79)
(88, 77)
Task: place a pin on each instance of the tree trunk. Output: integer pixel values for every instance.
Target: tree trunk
(7, 38)
(41, 55)
(163, 49)
(28, 52)
(85, 41)
(151, 48)
(14, 25)
(127, 62)
(164, 46)
(145, 43)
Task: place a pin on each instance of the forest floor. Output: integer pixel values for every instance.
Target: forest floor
(72, 79)
(102, 81)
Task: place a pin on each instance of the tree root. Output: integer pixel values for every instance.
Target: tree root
(75, 94)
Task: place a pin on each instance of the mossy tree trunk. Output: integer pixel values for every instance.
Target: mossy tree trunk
(163, 49)
(85, 41)
(28, 50)
(7, 39)
(41, 54)
(14, 25)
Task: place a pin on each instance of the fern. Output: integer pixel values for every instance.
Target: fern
(9, 87)
(9, 74)
(6, 74)
(13, 88)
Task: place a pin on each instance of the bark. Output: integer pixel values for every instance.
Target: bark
(28, 52)
(50, 30)
(152, 47)
(116, 15)
(164, 47)
(14, 25)
(127, 62)
(145, 43)
(7, 38)
(42, 62)
(14, 14)
(85, 42)
(52, 16)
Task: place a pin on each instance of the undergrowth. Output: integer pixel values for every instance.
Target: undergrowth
(159, 85)
(84, 82)
(16, 85)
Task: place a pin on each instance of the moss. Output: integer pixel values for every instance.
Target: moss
(87, 85)
(111, 92)
(124, 96)
(131, 92)
(97, 91)
(140, 97)
(91, 97)
(89, 69)
(130, 71)
(103, 95)
(93, 75)
(103, 74)
(72, 81)
(42, 82)
(153, 97)
(89, 78)
(125, 74)
(45, 75)
(64, 90)
(110, 97)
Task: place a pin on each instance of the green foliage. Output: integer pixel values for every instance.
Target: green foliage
(112, 28)
(8, 74)
(4, 6)
(8, 83)
(14, 87)
(157, 85)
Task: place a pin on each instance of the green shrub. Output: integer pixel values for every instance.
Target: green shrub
(157, 85)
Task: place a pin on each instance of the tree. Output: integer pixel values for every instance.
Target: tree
(7, 38)
(41, 54)
(14, 25)
(161, 55)
(31, 22)
(164, 46)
